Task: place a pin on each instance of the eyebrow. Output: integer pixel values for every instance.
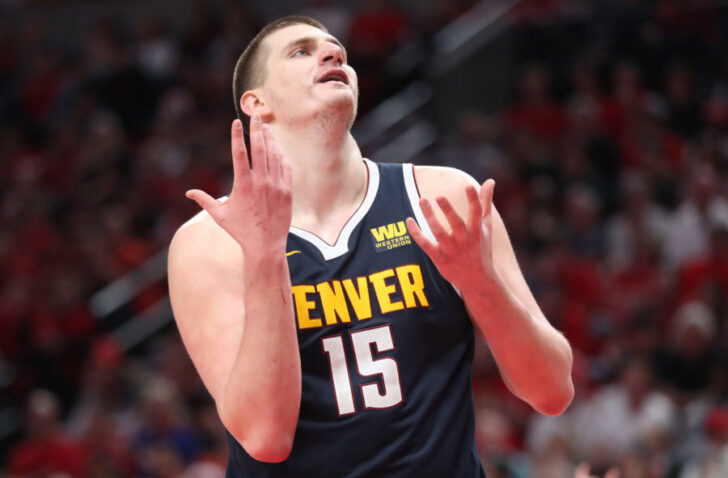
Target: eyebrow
(308, 40)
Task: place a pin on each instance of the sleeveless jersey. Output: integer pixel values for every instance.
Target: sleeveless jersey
(386, 351)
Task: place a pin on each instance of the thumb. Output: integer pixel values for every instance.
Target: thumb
(204, 200)
(486, 196)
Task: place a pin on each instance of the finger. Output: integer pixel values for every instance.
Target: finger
(486, 196)
(257, 146)
(438, 230)
(456, 222)
(475, 211)
(241, 166)
(273, 155)
(204, 200)
(421, 239)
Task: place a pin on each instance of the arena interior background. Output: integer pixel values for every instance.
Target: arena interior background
(604, 123)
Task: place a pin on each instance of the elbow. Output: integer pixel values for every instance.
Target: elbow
(269, 441)
(556, 402)
(268, 444)
(561, 393)
(271, 449)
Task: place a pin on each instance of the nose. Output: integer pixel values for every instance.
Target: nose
(331, 53)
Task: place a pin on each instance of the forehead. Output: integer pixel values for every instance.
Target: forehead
(279, 39)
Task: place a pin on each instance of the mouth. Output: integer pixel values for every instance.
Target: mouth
(335, 75)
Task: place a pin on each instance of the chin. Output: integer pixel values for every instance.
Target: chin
(340, 108)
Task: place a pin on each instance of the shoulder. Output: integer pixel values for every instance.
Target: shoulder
(191, 235)
(433, 181)
(201, 241)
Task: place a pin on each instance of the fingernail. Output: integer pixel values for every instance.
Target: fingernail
(238, 124)
(256, 118)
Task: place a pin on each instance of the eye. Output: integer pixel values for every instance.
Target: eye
(300, 52)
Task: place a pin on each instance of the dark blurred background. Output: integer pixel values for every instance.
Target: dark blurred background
(604, 123)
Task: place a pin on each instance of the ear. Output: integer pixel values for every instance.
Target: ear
(252, 103)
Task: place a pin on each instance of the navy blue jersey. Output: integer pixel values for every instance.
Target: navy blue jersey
(386, 351)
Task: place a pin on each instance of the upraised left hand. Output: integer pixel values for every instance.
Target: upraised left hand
(464, 256)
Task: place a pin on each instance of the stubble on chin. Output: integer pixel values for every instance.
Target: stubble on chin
(341, 111)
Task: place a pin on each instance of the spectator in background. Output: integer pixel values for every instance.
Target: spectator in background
(627, 101)
(686, 361)
(588, 153)
(140, 110)
(624, 417)
(335, 16)
(106, 448)
(104, 387)
(164, 443)
(212, 460)
(639, 220)
(376, 29)
(473, 145)
(607, 427)
(687, 235)
(637, 289)
(156, 52)
(706, 277)
(712, 458)
(45, 449)
(536, 112)
(583, 229)
(683, 113)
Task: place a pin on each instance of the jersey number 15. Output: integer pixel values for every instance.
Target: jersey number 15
(367, 366)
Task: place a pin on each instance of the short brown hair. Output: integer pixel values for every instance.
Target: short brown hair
(248, 72)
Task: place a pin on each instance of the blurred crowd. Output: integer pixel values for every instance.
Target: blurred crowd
(611, 169)
(611, 164)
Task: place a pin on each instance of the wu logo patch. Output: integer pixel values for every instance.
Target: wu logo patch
(390, 236)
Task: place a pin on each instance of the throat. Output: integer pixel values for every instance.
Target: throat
(328, 229)
(330, 213)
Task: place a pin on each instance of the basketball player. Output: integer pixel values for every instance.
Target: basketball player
(329, 302)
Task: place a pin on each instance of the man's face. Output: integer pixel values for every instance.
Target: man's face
(307, 76)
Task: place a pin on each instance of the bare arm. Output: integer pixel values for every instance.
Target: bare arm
(476, 256)
(231, 295)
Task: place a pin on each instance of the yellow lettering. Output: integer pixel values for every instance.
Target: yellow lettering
(359, 299)
(383, 291)
(335, 296)
(389, 231)
(333, 302)
(303, 306)
(412, 284)
(381, 232)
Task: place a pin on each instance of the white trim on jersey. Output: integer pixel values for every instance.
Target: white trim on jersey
(341, 246)
(414, 198)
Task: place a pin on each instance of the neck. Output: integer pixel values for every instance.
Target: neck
(329, 176)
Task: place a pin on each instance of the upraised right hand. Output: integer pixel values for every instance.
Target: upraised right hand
(257, 213)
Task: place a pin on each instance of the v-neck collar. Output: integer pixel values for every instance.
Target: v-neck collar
(341, 246)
